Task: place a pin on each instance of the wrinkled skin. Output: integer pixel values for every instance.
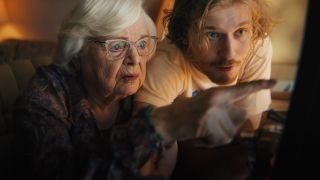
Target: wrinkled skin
(210, 116)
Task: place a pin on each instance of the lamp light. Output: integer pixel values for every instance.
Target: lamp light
(7, 29)
(3, 12)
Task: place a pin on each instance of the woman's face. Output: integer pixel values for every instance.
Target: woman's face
(229, 30)
(106, 76)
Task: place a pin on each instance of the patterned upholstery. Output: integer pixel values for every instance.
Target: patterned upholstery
(18, 62)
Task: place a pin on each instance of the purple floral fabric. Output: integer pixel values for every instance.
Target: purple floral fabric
(57, 135)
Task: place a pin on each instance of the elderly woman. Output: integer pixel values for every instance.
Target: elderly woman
(75, 120)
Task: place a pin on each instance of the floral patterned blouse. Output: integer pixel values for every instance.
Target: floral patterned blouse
(57, 135)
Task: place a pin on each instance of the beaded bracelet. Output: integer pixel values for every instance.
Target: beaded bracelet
(146, 113)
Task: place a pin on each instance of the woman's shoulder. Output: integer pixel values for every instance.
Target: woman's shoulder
(45, 78)
(46, 90)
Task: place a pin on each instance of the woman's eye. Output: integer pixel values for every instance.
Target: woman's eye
(212, 35)
(117, 46)
(142, 44)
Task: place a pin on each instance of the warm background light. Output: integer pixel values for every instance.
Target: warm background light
(287, 38)
(38, 19)
(156, 9)
(9, 31)
(3, 12)
(288, 35)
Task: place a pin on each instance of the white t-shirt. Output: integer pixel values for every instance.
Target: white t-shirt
(170, 77)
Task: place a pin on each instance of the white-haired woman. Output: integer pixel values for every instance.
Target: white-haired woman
(67, 115)
(75, 120)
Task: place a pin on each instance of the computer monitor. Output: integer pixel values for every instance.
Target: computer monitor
(298, 153)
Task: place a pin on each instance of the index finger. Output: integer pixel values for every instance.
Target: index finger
(242, 90)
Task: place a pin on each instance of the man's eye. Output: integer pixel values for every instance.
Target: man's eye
(241, 32)
(212, 35)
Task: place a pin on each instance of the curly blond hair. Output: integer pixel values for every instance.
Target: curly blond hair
(186, 29)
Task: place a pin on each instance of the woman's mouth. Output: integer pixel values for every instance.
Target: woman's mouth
(130, 78)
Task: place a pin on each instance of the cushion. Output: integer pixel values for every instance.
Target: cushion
(23, 70)
(9, 89)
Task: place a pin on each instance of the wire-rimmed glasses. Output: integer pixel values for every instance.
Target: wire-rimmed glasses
(117, 48)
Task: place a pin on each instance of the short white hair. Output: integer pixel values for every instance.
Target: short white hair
(94, 18)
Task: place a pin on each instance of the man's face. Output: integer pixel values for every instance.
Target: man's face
(229, 31)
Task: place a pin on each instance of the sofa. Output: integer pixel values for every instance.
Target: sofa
(18, 62)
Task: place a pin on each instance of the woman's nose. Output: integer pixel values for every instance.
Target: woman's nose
(132, 56)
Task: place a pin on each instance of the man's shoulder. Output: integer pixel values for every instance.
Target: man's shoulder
(263, 46)
(169, 53)
(261, 52)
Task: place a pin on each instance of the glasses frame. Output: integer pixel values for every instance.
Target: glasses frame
(105, 43)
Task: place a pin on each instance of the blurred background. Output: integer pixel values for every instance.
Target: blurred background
(287, 38)
(40, 19)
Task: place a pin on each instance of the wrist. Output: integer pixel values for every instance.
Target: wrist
(159, 118)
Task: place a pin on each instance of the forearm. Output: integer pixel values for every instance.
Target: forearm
(137, 146)
(252, 123)
(168, 157)
(168, 160)
(159, 116)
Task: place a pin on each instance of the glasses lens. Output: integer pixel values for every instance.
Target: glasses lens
(117, 48)
(146, 46)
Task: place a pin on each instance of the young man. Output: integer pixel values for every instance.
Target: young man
(211, 43)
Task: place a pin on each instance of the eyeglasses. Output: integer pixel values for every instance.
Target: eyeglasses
(118, 48)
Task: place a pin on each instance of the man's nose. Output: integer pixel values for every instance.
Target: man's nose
(228, 48)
